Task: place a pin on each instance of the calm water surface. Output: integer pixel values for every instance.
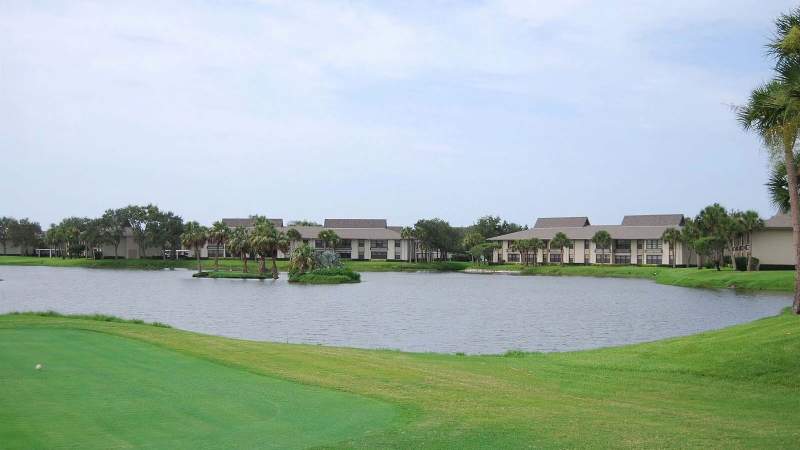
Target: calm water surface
(438, 312)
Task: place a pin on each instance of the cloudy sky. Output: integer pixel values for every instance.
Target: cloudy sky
(396, 109)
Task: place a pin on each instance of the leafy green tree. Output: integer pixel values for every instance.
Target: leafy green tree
(602, 240)
(294, 235)
(304, 223)
(218, 235)
(172, 230)
(54, 237)
(483, 252)
(113, 228)
(715, 224)
(330, 238)
(690, 234)
(24, 233)
(492, 226)
(673, 236)
(91, 235)
(472, 239)
(6, 223)
(750, 222)
(773, 112)
(136, 219)
(436, 234)
(560, 241)
(239, 244)
(195, 237)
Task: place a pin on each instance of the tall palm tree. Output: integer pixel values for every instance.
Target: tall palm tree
(294, 236)
(673, 236)
(750, 223)
(602, 240)
(330, 238)
(560, 240)
(536, 245)
(218, 235)
(407, 233)
(195, 236)
(523, 246)
(773, 112)
(239, 244)
(689, 235)
(262, 241)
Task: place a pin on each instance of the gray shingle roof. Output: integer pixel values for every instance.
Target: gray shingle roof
(355, 223)
(560, 222)
(651, 220)
(779, 220)
(348, 233)
(616, 232)
(248, 222)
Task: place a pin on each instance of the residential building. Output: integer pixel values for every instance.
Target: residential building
(773, 244)
(637, 240)
(358, 238)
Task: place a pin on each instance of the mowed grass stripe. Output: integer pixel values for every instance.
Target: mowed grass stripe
(103, 391)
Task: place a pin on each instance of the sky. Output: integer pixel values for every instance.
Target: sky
(387, 109)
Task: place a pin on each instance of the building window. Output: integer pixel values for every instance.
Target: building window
(622, 259)
(555, 257)
(396, 244)
(603, 258)
(623, 244)
(360, 242)
(513, 257)
(571, 258)
(379, 244)
(378, 255)
(344, 255)
(639, 259)
(654, 259)
(343, 243)
(653, 244)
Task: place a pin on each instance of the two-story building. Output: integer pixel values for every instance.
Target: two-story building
(637, 240)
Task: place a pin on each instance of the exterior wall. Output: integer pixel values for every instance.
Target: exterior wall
(773, 246)
(11, 249)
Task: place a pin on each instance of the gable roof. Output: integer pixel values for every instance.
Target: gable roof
(779, 220)
(587, 232)
(561, 222)
(653, 220)
(355, 223)
(249, 222)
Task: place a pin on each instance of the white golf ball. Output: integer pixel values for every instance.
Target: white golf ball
(38, 367)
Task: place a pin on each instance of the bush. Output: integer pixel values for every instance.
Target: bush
(741, 263)
(331, 275)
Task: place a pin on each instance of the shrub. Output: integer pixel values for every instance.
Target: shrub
(741, 263)
(332, 275)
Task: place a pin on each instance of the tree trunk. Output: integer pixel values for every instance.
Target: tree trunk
(674, 254)
(244, 262)
(116, 250)
(750, 255)
(794, 203)
(199, 264)
(274, 268)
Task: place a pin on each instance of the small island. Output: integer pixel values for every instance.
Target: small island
(308, 267)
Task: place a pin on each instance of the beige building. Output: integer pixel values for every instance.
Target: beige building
(773, 244)
(637, 240)
(358, 238)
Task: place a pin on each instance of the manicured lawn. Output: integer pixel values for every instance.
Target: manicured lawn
(103, 391)
(734, 388)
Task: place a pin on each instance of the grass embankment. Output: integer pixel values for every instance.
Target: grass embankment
(733, 388)
(342, 275)
(778, 280)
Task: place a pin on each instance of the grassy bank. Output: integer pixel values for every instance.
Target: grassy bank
(734, 388)
(779, 280)
(333, 275)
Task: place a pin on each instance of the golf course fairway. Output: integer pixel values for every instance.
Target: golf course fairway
(120, 385)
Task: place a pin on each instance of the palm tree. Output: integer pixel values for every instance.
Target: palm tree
(773, 112)
(302, 259)
(195, 236)
(750, 223)
(523, 246)
(560, 240)
(673, 236)
(689, 235)
(294, 236)
(239, 244)
(407, 233)
(330, 238)
(280, 243)
(218, 235)
(602, 240)
(262, 241)
(536, 245)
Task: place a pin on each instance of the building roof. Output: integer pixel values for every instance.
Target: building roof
(347, 233)
(779, 220)
(355, 223)
(249, 222)
(587, 232)
(561, 222)
(650, 220)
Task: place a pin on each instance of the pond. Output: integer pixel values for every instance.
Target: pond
(420, 312)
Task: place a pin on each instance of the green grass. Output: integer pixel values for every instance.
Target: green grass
(733, 388)
(331, 275)
(778, 280)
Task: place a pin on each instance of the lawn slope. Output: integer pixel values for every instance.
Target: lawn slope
(733, 388)
(103, 391)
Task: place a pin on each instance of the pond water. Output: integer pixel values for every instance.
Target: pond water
(436, 312)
